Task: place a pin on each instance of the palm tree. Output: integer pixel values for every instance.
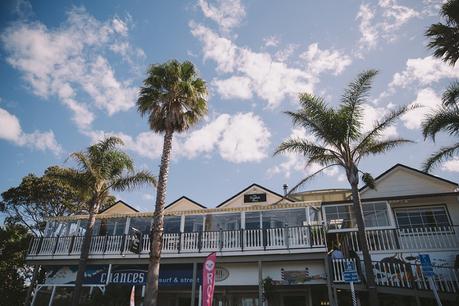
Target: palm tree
(444, 40)
(174, 98)
(100, 169)
(342, 142)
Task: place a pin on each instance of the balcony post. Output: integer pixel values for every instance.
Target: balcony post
(311, 236)
(264, 232)
(72, 241)
(123, 243)
(31, 240)
(241, 233)
(286, 236)
(220, 238)
(55, 245)
(199, 241)
(179, 244)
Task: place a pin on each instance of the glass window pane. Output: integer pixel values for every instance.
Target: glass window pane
(430, 217)
(252, 220)
(172, 224)
(193, 223)
(215, 222)
(141, 224)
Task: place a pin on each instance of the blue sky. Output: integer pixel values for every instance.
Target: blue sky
(70, 71)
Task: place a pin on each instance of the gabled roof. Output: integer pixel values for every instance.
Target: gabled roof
(185, 198)
(396, 166)
(119, 202)
(244, 190)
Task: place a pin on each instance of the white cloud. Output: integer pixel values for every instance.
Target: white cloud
(226, 13)
(145, 144)
(245, 139)
(381, 21)
(284, 54)
(367, 27)
(423, 71)
(271, 41)
(451, 165)
(426, 98)
(259, 73)
(234, 87)
(205, 139)
(67, 62)
(325, 60)
(10, 130)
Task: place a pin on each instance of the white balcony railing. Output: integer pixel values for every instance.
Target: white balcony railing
(442, 237)
(302, 237)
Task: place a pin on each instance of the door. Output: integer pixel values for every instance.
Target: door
(294, 300)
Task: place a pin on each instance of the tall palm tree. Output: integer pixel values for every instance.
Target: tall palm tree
(100, 169)
(444, 40)
(342, 142)
(174, 98)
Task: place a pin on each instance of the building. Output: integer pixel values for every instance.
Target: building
(269, 247)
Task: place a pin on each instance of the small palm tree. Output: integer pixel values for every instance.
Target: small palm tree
(342, 142)
(100, 169)
(444, 40)
(174, 99)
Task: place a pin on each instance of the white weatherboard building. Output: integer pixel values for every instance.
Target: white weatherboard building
(269, 248)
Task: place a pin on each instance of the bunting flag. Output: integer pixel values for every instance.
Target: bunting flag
(132, 299)
(208, 279)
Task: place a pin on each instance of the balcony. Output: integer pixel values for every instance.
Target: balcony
(403, 275)
(405, 239)
(300, 239)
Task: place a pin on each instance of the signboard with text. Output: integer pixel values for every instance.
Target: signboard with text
(255, 198)
(208, 277)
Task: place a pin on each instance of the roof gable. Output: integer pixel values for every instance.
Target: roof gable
(184, 203)
(253, 194)
(403, 180)
(119, 207)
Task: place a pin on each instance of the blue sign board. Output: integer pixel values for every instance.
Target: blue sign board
(350, 273)
(426, 265)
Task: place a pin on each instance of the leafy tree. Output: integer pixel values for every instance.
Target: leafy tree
(444, 41)
(14, 239)
(174, 98)
(343, 142)
(38, 197)
(100, 169)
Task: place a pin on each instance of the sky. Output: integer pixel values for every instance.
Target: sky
(70, 72)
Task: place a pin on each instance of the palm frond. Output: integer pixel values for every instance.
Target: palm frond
(388, 120)
(368, 179)
(132, 181)
(440, 156)
(351, 102)
(308, 178)
(380, 147)
(441, 119)
(450, 97)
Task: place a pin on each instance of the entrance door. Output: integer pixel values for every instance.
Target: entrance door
(294, 300)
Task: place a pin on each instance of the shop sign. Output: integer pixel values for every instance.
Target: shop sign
(208, 276)
(254, 197)
(221, 274)
(169, 275)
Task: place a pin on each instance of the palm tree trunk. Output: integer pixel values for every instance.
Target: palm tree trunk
(93, 210)
(156, 235)
(357, 209)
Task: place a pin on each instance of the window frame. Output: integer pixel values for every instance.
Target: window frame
(432, 205)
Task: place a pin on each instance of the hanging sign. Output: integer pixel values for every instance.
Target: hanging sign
(208, 279)
(254, 197)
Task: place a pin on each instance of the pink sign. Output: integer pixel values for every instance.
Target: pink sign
(208, 279)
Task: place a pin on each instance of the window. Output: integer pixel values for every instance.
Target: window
(252, 220)
(223, 221)
(172, 224)
(412, 217)
(141, 224)
(193, 223)
(339, 217)
(282, 218)
(314, 213)
(375, 214)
